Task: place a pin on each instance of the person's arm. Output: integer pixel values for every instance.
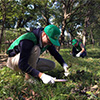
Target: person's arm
(59, 58)
(82, 48)
(25, 50)
(78, 55)
(56, 54)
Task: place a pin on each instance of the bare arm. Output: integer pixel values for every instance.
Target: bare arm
(82, 48)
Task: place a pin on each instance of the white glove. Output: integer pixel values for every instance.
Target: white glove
(78, 55)
(65, 66)
(47, 79)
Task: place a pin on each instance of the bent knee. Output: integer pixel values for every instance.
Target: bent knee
(52, 65)
(36, 50)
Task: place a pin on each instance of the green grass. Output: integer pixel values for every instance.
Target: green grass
(85, 74)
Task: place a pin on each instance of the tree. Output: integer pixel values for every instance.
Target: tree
(91, 21)
(70, 15)
(3, 18)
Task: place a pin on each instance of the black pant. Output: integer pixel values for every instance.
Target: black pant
(74, 53)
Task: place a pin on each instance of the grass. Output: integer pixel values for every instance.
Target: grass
(83, 83)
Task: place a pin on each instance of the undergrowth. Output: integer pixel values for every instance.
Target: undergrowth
(83, 83)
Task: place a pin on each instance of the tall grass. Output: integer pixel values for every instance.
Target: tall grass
(83, 83)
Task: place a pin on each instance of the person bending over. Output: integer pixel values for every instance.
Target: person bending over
(24, 52)
(78, 49)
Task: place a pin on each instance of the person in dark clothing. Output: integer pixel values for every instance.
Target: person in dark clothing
(24, 53)
(78, 49)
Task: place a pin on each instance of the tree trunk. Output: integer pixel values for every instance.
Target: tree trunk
(92, 39)
(86, 23)
(84, 40)
(3, 21)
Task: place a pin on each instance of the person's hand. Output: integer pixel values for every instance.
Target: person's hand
(65, 66)
(47, 79)
(78, 55)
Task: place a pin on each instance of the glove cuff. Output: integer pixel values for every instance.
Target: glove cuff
(64, 64)
(43, 75)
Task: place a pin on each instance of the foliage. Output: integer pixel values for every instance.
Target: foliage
(66, 14)
(83, 83)
(93, 19)
(9, 36)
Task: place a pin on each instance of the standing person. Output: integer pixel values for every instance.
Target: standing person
(78, 49)
(24, 52)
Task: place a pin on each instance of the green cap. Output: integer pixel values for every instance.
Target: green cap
(74, 41)
(53, 33)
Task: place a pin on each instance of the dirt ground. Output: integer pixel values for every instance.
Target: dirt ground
(3, 60)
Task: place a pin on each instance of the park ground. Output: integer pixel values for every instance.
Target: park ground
(83, 83)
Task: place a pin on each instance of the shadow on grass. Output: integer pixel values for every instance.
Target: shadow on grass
(93, 54)
(78, 84)
(84, 77)
(85, 81)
